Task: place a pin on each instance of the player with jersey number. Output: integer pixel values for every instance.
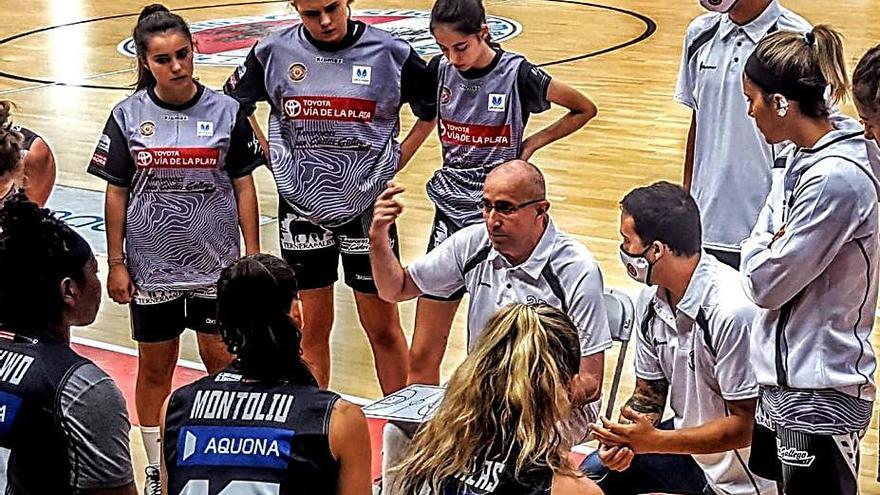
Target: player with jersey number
(61, 416)
(262, 426)
(177, 158)
(811, 264)
(485, 98)
(37, 171)
(728, 166)
(335, 87)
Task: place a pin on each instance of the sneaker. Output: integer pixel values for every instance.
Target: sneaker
(152, 481)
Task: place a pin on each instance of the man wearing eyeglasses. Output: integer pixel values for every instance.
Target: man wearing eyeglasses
(517, 256)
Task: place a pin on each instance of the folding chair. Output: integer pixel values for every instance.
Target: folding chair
(621, 317)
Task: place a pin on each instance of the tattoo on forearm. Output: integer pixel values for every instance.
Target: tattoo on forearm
(649, 398)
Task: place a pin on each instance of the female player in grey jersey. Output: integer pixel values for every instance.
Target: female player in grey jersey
(177, 158)
(485, 97)
(335, 87)
(501, 427)
(811, 265)
(323, 439)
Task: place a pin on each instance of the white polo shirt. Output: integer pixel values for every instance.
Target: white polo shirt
(560, 272)
(704, 368)
(732, 161)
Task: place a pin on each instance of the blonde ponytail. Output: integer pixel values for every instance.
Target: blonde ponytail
(800, 66)
(507, 401)
(830, 57)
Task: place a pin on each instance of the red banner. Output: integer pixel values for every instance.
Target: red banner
(177, 158)
(481, 136)
(335, 108)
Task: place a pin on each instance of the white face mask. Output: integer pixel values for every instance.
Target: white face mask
(722, 6)
(637, 266)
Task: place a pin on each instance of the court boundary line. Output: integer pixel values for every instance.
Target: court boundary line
(650, 29)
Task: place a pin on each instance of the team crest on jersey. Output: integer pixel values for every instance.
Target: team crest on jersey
(497, 102)
(445, 95)
(297, 72)
(228, 41)
(147, 128)
(361, 74)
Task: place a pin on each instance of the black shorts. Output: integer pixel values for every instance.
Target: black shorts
(441, 228)
(314, 251)
(172, 313)
(805, 463)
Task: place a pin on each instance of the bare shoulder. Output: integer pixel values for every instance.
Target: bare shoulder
(574, 485)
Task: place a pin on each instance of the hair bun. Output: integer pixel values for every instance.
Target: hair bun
(151, 9)
(20, 217)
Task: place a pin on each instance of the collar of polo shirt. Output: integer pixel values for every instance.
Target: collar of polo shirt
(540, 255)
(697, 289)
(758, 28)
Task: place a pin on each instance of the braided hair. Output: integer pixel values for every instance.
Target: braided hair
(37, 252)
(254, 297)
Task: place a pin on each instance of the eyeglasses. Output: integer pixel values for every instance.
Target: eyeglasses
(504, 207)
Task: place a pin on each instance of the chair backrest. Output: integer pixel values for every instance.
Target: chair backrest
(621, 314)
(621, 319)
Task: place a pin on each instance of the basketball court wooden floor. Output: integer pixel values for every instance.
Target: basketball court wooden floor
(64, 63)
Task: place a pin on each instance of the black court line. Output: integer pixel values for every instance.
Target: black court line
(650, 28)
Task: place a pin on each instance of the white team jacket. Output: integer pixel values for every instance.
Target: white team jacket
(817, 283)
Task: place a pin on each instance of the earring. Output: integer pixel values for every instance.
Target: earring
(782, 107)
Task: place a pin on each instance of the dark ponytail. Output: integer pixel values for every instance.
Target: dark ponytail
(154, 19)
(37, 252)
(464, 16)
(254, 296)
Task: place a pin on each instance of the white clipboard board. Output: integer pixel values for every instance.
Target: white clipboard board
(415, 404)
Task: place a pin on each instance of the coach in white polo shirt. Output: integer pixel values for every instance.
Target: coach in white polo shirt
(728, 162)
(693, 347)
(516, 256)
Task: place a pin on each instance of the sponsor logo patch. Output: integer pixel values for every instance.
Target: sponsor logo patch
(254, 447)
(205, 128)
(147, 128)
(497, 102)
(104, 143)
(228, 41)
(480, 136)
(297, 72)
(99, 159)
(445, 95)
(354, 245)
(361, 74)
(335, 108)
(792, 456)
(9, 407)
(206, 158)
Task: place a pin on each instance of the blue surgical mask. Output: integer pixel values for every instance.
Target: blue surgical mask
(637, 265)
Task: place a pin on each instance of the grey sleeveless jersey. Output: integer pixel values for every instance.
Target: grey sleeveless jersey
(178, 163)
(334, 120)
(481, 125)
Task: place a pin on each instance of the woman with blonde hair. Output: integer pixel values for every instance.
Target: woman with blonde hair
(502, 425)
(811, 265)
